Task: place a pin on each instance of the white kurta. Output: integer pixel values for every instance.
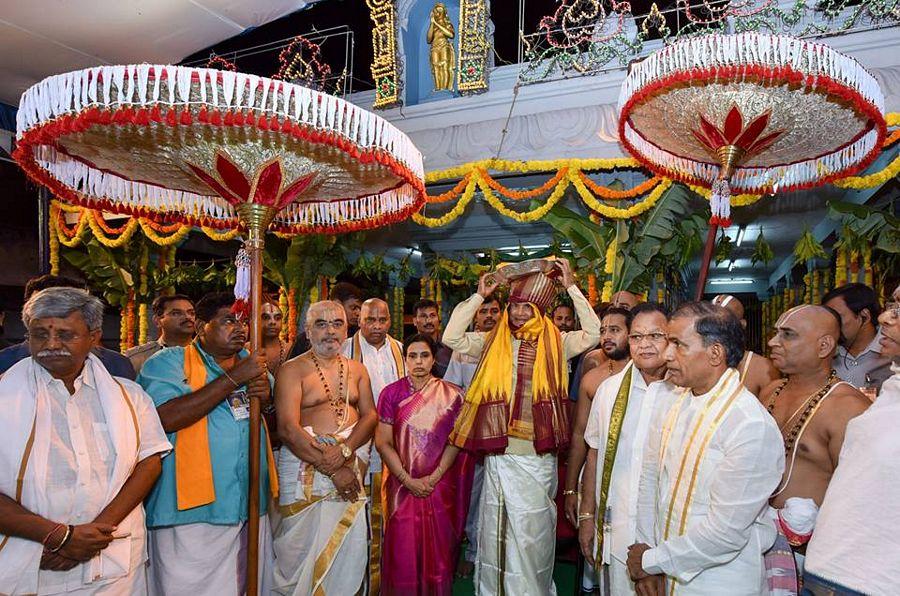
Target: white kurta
(626, 472)
(856, 542)
(382, 369)
(84, 450)
(725, 450)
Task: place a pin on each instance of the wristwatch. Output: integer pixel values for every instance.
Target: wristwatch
(346, 451)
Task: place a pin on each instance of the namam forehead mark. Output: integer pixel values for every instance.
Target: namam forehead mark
(321, 313)
(808, 317)
(373, 304)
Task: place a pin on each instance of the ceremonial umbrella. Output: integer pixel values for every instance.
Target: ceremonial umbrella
(752, 113)
(218, 149)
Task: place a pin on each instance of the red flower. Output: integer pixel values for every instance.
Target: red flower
(733, 132)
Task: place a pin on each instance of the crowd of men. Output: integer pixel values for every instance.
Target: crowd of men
(688, 463)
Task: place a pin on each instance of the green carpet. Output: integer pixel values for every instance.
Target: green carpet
(563, 576)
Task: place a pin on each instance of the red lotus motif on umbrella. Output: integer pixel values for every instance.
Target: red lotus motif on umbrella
(734, 133)
(230, 183)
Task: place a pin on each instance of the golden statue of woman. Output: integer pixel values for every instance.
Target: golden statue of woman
(440, 32)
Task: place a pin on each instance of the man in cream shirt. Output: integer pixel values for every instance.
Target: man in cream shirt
(618, 423)
(712, 460)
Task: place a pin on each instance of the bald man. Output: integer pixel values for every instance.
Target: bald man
(624, 299)
(381, 354)
(812, 407)
(756, 371)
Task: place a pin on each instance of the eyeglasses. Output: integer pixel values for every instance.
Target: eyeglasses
(43, 337)
(655, 338)
(336, 324)
(894, 309)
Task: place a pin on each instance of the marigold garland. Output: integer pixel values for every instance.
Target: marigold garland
(100, 235)
(872, 180)
(520, 195)
(452, 193)
(164, 240)
(610, 194)
(616, 212)
(54, 249)
(143, 323)
(218, 236)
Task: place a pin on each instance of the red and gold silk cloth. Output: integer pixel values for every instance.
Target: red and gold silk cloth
(422, 535)
(535, 409)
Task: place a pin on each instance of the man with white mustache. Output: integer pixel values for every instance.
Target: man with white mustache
(326, 418)
(79, 451)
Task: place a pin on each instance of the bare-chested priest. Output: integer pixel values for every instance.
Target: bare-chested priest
(812, 407)
(756, 371)
(326, 417)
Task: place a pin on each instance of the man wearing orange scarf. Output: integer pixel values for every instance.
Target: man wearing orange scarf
(515, 414)
(197, 512)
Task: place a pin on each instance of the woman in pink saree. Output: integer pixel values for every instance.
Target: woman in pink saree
(426, 486)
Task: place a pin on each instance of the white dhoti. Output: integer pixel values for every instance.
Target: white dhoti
(321, 543)
(517, 527)
(206, 559)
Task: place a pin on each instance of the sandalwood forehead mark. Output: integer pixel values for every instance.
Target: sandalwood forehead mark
(787, 316)
(722, 300)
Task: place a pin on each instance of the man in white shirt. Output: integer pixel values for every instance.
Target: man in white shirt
(617, 424)
(859, 360)
(712, 460)
(79, 451)
(854, 549)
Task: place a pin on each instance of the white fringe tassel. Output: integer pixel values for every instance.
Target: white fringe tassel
(146, 85)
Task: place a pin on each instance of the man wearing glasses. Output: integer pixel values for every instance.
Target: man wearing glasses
(80, 450)
(616, 433)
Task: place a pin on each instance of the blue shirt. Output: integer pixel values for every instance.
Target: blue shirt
(162, 376)
(117, 364)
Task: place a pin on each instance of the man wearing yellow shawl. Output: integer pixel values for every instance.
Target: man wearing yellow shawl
(515, 414)
(197, 512)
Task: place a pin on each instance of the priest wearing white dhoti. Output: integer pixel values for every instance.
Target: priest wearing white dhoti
(616, 433)
(515, 414)
(326, 418)
(712, 460)
(79, 451)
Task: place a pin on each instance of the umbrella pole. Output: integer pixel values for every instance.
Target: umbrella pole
(256, 218)
(708, 250)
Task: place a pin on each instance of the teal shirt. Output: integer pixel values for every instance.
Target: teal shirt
(162, 376)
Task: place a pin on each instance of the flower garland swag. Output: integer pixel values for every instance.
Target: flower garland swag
(475, 176)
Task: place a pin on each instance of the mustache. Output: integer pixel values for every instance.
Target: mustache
(53, 353)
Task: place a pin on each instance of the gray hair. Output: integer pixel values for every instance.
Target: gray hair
(59, 303)
(317, 308)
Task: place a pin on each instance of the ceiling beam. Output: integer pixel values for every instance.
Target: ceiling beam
(828, 225)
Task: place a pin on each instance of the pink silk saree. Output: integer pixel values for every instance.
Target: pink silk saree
(422, 535)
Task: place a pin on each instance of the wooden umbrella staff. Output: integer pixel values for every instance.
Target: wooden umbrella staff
(256, 219)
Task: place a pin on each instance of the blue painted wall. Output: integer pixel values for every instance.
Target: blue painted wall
(419, 84)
